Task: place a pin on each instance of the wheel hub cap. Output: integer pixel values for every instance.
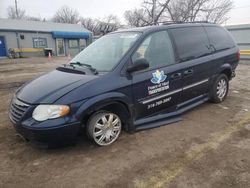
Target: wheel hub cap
(221, 88)
(107, 129)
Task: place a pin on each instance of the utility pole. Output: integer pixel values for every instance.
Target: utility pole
(153, 12)
(16, 9)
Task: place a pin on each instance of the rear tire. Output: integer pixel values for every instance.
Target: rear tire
(104, 128)
(219, 89)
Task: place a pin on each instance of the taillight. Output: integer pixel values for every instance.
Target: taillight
(238, 55)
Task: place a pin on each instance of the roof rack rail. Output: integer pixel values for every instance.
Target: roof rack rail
(181, 22)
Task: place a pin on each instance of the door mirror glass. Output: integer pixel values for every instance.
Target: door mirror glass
(139, 64)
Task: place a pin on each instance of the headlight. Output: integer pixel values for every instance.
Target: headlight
(45, 112)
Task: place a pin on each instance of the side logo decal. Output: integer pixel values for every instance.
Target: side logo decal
(158, 77)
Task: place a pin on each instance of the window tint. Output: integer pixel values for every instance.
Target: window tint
(191, 42)
(157, 49)
(219, 38)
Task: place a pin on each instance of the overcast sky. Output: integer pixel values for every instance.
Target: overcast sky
(101, 8)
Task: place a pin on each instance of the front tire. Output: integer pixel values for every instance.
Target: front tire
(104, 128)
(219, 89)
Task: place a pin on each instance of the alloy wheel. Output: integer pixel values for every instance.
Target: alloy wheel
(221, 89)
(107, 129)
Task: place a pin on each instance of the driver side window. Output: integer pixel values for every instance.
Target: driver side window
(157, 49)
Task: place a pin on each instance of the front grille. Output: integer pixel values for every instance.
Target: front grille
(17, 110)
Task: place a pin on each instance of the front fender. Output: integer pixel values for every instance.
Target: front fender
(102, 100)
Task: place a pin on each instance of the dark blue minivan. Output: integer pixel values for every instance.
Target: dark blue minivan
(132, 80)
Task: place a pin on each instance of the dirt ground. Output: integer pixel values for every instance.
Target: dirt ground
(209, 148)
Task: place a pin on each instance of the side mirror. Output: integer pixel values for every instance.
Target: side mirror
(138, 65)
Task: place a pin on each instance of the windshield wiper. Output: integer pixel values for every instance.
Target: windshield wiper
(70, 68)
(85, 65)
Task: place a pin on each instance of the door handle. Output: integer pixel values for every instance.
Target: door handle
(188, 72)
(176, 76)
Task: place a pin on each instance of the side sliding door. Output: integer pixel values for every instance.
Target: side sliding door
(195, 58)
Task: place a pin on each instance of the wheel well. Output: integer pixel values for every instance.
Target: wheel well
(228, 73)
(116, 107)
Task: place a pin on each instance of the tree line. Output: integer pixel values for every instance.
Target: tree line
(65, 14)
(151, 12)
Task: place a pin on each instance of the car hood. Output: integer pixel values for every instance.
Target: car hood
(51, 86)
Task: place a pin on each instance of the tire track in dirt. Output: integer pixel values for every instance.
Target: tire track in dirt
(165, 176)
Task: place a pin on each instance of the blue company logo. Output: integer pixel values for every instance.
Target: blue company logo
(158, 77)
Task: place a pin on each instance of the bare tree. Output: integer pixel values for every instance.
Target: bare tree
(150, 13)
(136, 17)
(107, 24)
(20, 14)
(14, 13)
(33, 18)
(199, 10)
(217, 11)
(89, 23)
(112, 20)
(101, 26)
(155, 11)
(66, 14)
(185, 10)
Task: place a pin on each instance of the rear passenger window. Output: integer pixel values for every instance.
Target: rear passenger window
(219, 38)
(157, 49)
(191, 42)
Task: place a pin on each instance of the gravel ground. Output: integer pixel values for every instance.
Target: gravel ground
(209, 148)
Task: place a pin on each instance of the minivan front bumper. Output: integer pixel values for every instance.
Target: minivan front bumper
(58, 134)
(56, 130)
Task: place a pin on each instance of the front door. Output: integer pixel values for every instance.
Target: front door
(158, 88)
(60, 48)
(2, 47)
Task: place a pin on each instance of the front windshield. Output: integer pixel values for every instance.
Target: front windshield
(106, 52)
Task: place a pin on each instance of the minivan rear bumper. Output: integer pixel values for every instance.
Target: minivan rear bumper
(60, 134)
